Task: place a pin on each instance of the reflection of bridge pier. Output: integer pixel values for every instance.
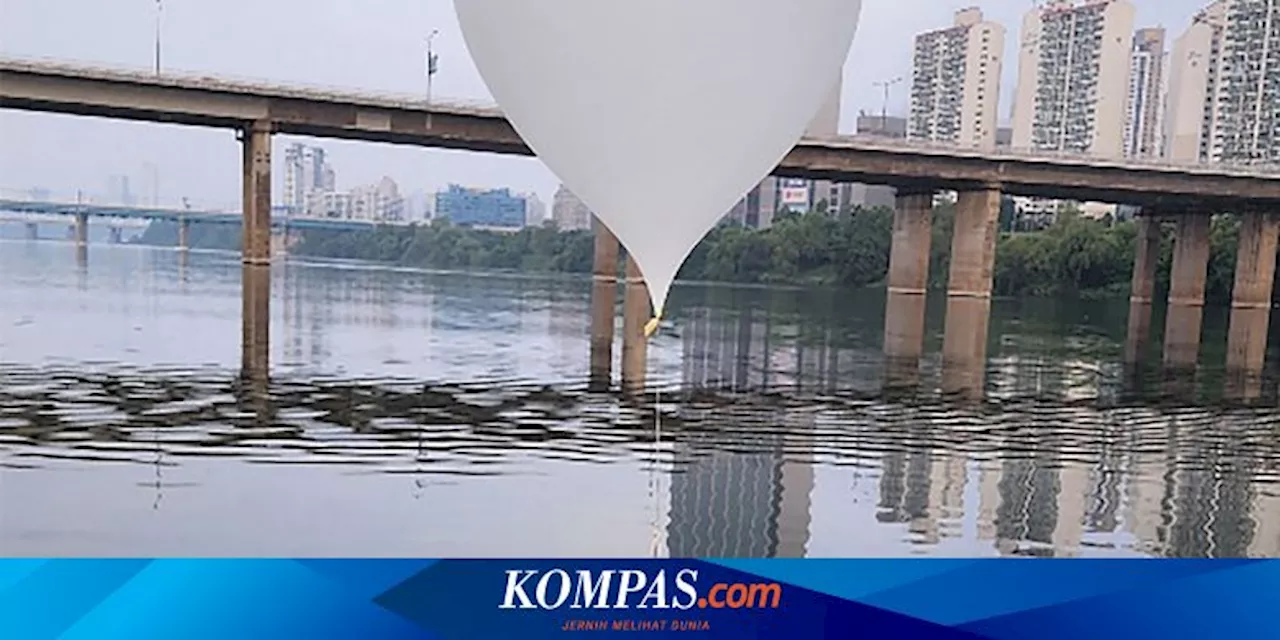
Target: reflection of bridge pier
(973, 250)
(1251, 304)
(604, 301)
(184, 235)
(908, 288)
(968, 292)
(1186, 293)
(1251, 296)
(635, 313)
(115, 235)
(636, 310)
(80, 229)
(1142, 288)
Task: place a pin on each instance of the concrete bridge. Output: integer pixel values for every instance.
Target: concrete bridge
(1187, 195)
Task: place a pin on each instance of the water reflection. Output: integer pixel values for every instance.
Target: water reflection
(418, 414)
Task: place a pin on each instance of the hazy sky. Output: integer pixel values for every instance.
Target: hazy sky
(373, 45)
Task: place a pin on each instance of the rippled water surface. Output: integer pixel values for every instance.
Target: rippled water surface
(428, 414)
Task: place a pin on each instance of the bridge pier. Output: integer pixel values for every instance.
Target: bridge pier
(1251, 303)
(635, 314)
(116, 235)
(973, 249)
(256, 243)
(1186, 292)
(256, 250)
(33, 231)
(604, 301)
(1142, 288)
(81, 229)
(908, 288)
(184, 235)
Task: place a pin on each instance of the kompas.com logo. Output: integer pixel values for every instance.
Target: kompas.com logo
(631, 588)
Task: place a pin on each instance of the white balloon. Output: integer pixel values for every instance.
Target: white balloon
(659, 114)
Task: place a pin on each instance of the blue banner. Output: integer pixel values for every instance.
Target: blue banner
(483, 599)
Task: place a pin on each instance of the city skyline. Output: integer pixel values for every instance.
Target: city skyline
(375, 53)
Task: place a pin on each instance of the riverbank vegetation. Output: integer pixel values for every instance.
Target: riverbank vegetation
(1074, 255)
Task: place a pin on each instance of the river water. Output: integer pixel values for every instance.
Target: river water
(436, 414)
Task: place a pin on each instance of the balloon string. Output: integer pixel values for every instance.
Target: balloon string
(655, 545)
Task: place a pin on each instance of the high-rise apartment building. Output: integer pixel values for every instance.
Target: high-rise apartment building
(1248, 119)
(955, 83)
(305, 170)
(1224, 94)
(379, 202)
(1073, 77)
(569, 212)
(1195, 73)
(535, 210)
(1144, 108)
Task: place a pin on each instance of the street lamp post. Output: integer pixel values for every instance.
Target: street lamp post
(432, 67)
(884, 106)
(159, 11)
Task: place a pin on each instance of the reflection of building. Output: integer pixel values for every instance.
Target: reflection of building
(568, 212)
(955, 89)
(736, 494)
(725, 353)
(494, 208)
(924, 490)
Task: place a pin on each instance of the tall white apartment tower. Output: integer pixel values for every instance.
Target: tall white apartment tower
(955, 82)
(1224, 93)
(1143, 111)
(305, 171)
(1248, 106)
(1073, 77)
(1195, 73)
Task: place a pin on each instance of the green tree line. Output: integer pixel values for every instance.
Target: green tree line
(1074, 255)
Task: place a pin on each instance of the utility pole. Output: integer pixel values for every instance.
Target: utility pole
(159, 12)
(884, 106)
(432, 67)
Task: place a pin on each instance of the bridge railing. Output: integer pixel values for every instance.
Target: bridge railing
(227, 82)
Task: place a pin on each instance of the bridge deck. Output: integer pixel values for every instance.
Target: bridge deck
(217, 102)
